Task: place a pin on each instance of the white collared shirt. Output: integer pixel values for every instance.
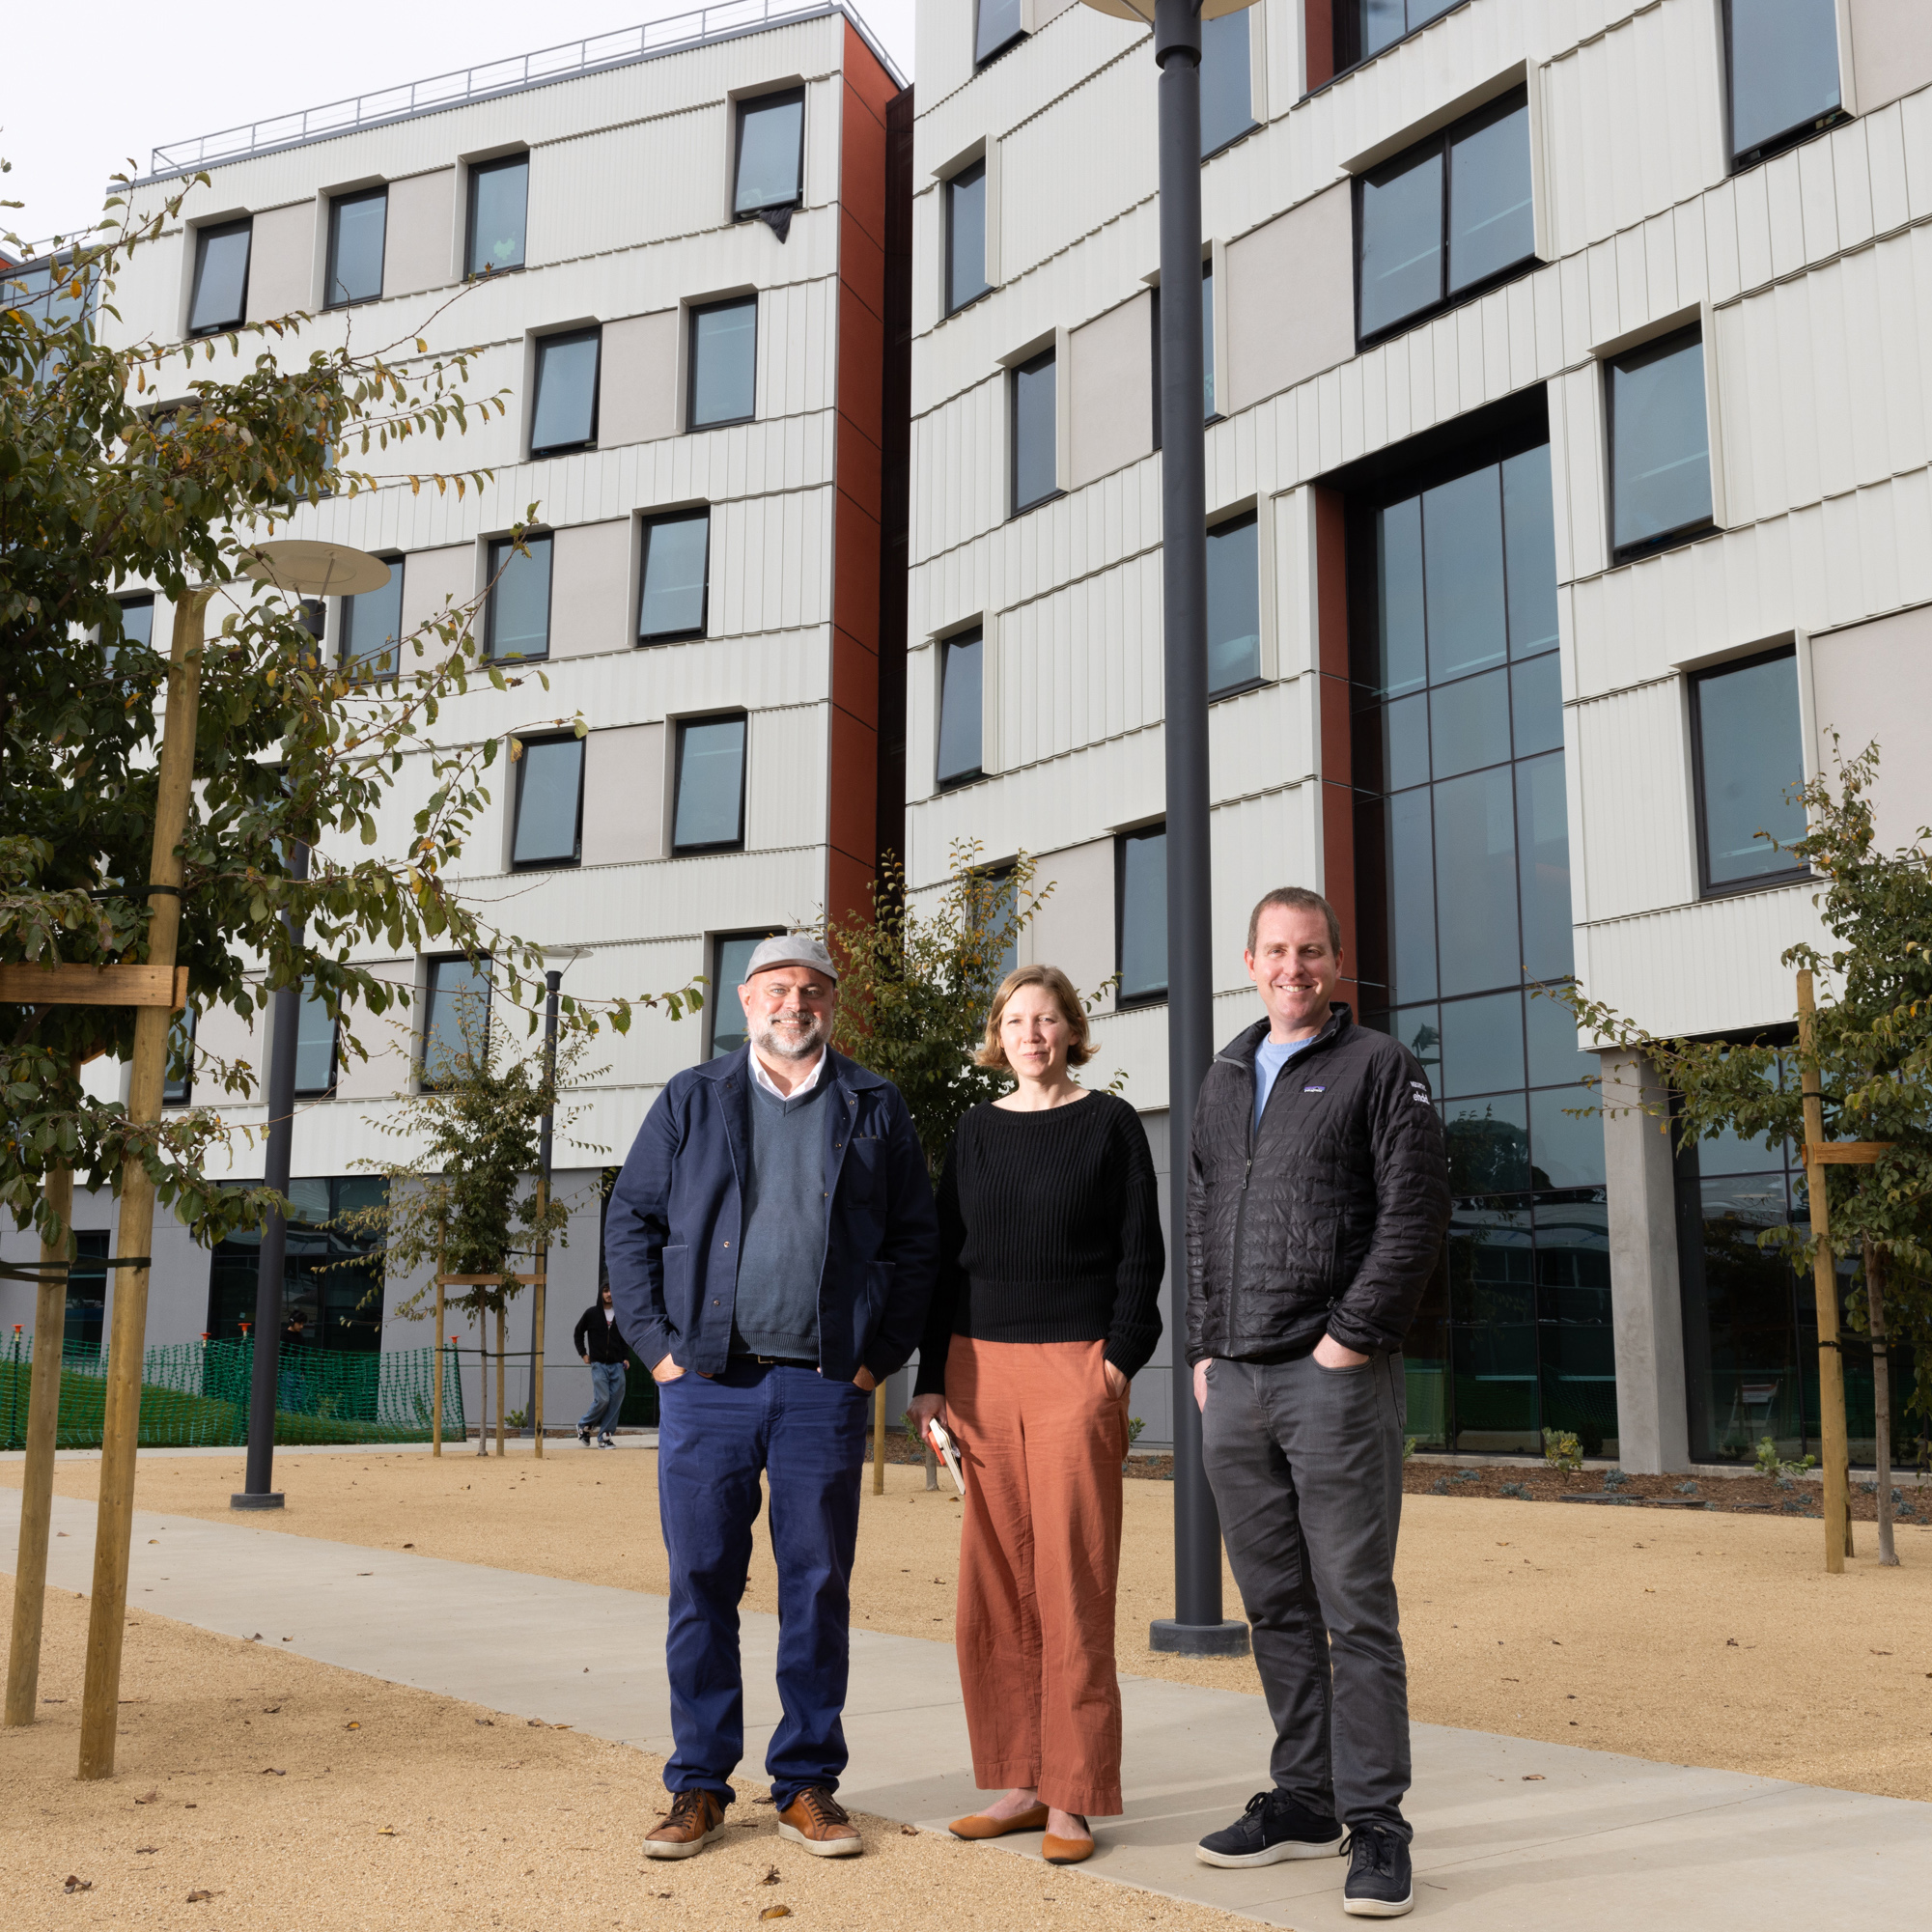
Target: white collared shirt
(798, 1087)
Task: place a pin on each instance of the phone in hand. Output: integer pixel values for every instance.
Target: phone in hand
(947, 1452)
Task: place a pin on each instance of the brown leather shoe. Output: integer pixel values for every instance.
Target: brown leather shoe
(818, 1821)
(694, 1816)
(1067, 1850)
(980, 1826)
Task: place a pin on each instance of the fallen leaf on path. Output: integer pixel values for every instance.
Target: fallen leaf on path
(776, 1912)
(486, 1720)
(773, 1801)
(148, 1798)
(387, 1831)
(140, 1849)
(271, 1710)
(353, 1724)
(411, 1545)
(269, 1770)
(199, 1895)
(1533, 1777)
(77, 1884)
(771, 1877)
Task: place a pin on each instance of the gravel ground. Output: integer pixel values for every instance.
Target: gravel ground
(1686, 1636)
(263, 1791)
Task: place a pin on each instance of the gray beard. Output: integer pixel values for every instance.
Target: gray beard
(807, 1048)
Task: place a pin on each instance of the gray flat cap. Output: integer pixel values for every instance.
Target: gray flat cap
(798, 949)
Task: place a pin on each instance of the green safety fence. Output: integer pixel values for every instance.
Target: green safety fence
(195, 1395)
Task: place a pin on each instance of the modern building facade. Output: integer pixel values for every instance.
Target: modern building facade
(1567, 458)
(670, 252)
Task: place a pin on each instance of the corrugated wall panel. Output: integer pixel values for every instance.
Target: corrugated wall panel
(1635, 831)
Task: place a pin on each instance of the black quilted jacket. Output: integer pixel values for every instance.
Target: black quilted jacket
(1331, 1216)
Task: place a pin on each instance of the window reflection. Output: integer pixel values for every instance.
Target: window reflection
(1141, 881)
(965, 236)
(1035, 464)
(1749, 761)
(771, 152)
(499, 198)
(961, 727)
(725, 363)
(1783, 71)
(220, 296)
(1234, 604)
(356, 226)
(564, 416)
(710, 814)
(1660, 443)
(1227, 92)
(672, 601)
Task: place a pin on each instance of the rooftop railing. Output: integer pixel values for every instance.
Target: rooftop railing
(480, 83)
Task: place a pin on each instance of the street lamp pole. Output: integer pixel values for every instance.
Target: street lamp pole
(1197, 1627)
(259, 1490)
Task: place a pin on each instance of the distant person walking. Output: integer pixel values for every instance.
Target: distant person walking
(597, 1340)
(1318, 1200)
(1046, 1308)
(771, 1245)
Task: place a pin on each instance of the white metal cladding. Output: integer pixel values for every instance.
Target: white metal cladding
(1810, 275)
(628, 215)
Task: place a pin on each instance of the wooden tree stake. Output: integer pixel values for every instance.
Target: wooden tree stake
(878, 1440)
(36, 1487)
(436, 1401)
(121, 1428)
(1825, 1281)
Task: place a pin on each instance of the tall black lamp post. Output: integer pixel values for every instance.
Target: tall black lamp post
(1197, 1628)
(318, 571)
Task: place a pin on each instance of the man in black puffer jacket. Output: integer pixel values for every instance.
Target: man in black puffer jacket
(1318, 1200)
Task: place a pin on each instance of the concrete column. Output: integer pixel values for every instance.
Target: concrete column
(1647, 1303)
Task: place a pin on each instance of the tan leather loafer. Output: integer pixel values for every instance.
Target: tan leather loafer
(980, 1826)
(818, 1821)
(1066, 1851)
(695, 1815)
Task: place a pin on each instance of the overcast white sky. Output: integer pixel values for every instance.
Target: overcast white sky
(147, 77)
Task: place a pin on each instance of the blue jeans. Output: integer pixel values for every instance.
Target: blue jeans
(715, 1437)
(606, 1397)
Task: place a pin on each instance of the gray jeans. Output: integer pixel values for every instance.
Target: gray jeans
(1307, 1468)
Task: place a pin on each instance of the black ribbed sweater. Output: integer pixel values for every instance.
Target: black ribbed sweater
(1050, 1231)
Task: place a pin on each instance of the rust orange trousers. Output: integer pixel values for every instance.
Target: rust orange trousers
(1042, 1440)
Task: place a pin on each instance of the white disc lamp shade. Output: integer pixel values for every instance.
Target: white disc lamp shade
(308, 568)
(1143, 10)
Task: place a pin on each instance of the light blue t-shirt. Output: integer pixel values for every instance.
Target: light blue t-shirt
(1269, 1060)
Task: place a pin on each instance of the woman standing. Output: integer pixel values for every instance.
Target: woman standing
(1050, 1267)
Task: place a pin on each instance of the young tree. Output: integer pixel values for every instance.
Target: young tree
(915, 985)
(99, 490)
(468, 1196)
(1873, 1042)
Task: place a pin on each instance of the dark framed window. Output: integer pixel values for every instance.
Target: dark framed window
(85, 1323)
(962, 722)
(356, 226)
(1780, 73)
(550, 804)
(220, 296)
(137, 625)
(332, 1274)
(178, 1083)
(709, 792)
(371, 627)
(315, 1046)
(1209, 413)
(770, 170)
(1032, 407)
(730, 953)
(1748, 758)
(1660, 444)
(456, 1017)
(965, 236)
(564, 415)
(499, 204)
(1363, 28)
(996, 25)
(1234, 604)
(1445, 219)
(1141, 915)
(1227, 87)
(517, 618)
(673, 596)
(725, 363)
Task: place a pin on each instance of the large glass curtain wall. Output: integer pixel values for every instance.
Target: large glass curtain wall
(1463, 890)
(1751, 1322)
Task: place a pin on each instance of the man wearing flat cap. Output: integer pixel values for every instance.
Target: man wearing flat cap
(771, 1245)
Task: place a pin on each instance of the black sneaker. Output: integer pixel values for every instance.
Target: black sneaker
(1272, 1828)
(1378, 1885)
(584, 1435)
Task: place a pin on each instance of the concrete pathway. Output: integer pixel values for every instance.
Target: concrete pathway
(1511, 1836)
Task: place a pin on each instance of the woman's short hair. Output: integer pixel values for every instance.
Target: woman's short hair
(1080, 1048)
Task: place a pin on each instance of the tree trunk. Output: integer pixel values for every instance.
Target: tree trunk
(499, 1381)
(483, 1381)
(1881, 1399)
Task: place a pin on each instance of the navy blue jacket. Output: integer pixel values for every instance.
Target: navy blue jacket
(671, 1238)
